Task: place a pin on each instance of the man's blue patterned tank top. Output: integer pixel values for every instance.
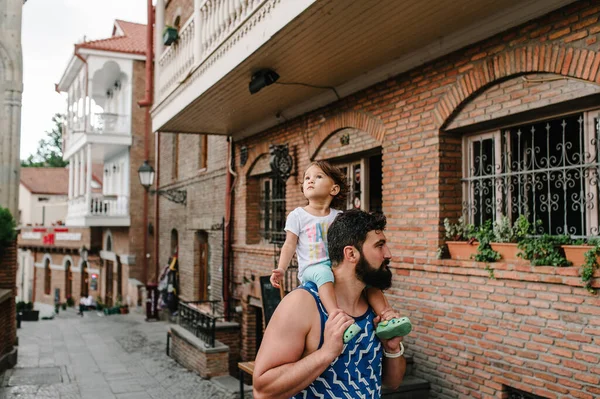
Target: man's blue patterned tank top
(356, 373)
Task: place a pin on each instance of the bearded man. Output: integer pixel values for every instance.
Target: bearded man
(302, 353)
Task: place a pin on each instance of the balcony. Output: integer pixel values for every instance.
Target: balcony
(98, 210)
(109, 133)
(335, 48)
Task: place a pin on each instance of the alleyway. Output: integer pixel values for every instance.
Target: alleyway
(98, 357)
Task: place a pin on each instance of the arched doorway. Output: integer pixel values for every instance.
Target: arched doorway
(85, 280)
(68, 280)
(108, 269)
(201, 266)
(119, 280)
(47, 277)
(174, 242)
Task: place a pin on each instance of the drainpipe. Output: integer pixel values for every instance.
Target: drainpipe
(87, 80)
(227, 239)
(147, 103)
(156, 221)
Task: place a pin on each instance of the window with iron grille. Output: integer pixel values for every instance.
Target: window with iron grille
(272, 210)
(47, 278)
(547, 170)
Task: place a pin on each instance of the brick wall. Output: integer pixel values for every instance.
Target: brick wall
(8, 279)
(190, 352)
(229, 334)
(530, 328)
(204, 211)
(138, 230)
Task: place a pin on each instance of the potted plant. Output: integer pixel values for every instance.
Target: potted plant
(56, 307)
(544, 250)
(70, 301)
(63, 306)
(484, 235)
(506, 236)
(124, 309)
(460, 239)
(575, 252)
(590, 266)
(28, 314)
(170, 35)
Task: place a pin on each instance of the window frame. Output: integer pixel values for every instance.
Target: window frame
(502, 152)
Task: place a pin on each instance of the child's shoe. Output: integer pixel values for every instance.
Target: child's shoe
(393, 328)
(351, 332)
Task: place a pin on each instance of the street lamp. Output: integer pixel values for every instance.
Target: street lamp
(83, 252)
(146, 175)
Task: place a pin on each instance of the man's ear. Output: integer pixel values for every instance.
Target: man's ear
(335, 190)
(351, 253)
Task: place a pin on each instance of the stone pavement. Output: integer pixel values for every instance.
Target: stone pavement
(101, 357)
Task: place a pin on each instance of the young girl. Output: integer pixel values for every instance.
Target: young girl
(306, 228)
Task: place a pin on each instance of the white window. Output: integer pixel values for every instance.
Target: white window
(547, 170)
(364, 177)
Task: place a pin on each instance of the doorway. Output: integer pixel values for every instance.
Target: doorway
(201, 267)
(85, 288)
(108, 296)
(68, 280)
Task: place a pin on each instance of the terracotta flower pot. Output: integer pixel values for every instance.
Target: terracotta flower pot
(576, 253)
(462, 250)
(507, 250)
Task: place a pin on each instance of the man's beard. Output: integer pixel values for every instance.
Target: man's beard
(380, 278)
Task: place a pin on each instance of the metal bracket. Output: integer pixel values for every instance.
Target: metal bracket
(173, 195)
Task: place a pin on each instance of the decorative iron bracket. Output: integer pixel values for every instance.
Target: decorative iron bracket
(173, 195)
(281, 162)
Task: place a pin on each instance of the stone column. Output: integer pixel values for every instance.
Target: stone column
(76, 169)
(81, 172)
(88, 180)
(71, 178)
(159, 26)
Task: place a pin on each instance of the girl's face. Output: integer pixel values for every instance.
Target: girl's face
(317, 185)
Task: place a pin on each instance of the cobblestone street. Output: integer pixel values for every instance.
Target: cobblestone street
(98, 357)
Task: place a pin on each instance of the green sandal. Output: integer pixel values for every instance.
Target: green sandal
(351, 332)
(393, 328)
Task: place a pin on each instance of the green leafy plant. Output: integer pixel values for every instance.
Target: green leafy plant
(7, 228)
(484, 234)
(490, 271)
(544, 250)
(21, 306)
(70, 301)
(29, 306)
(460, 231)
(442, 252)
(504, 232)
(590, 266)
(63, 306)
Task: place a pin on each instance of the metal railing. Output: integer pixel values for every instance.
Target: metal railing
(200, 324)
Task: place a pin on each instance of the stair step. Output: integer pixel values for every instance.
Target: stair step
(411, 388)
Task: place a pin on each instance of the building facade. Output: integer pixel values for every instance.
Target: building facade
(102, 248)
(491, 113)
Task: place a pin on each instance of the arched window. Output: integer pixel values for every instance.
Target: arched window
(68, 280)
(108, 244)
(47, 277)
(174, 242)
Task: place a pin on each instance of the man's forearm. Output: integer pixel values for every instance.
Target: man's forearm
(289, 379)
(393, 371)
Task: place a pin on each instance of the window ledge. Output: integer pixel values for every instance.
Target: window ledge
(520, 271)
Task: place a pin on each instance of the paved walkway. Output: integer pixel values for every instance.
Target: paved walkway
(101, 357)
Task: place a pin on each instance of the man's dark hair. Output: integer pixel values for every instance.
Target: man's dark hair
(350, 228)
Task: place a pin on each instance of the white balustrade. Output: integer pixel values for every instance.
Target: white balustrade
(218, 20)
(109, 123)
(99, 205)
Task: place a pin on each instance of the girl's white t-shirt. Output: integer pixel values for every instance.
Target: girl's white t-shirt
(312, 236)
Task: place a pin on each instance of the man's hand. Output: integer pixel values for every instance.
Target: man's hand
(277, 277)
(333, 341)
(391, 345)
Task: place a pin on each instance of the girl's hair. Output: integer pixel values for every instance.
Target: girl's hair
(338, 177)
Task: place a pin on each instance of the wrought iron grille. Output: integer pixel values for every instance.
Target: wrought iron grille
(200, 324)
(273, 210)
(514, 393)
(547, 170)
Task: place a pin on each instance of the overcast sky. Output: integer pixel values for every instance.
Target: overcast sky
(50, 29)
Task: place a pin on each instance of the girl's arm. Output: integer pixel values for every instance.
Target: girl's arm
(287, 251)
(378, 301)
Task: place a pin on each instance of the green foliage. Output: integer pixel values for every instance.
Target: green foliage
(442, 252)
(70, 301)
(21, 306)
(504, 232)
(544, 250)
(7, 228)
(460, 231)
(484, 235)
(63, 306)
(49, 153)
(590, 266)
(490, 271)
(29, 306)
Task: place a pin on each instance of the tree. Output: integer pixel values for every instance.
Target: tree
(49, 153)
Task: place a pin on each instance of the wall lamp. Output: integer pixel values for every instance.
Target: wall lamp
(146, 175)
(262, 78)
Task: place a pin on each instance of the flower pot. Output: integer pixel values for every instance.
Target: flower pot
(30, 315)
(507, 250)
(170, 36)
(462, 250)
(576, 253)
